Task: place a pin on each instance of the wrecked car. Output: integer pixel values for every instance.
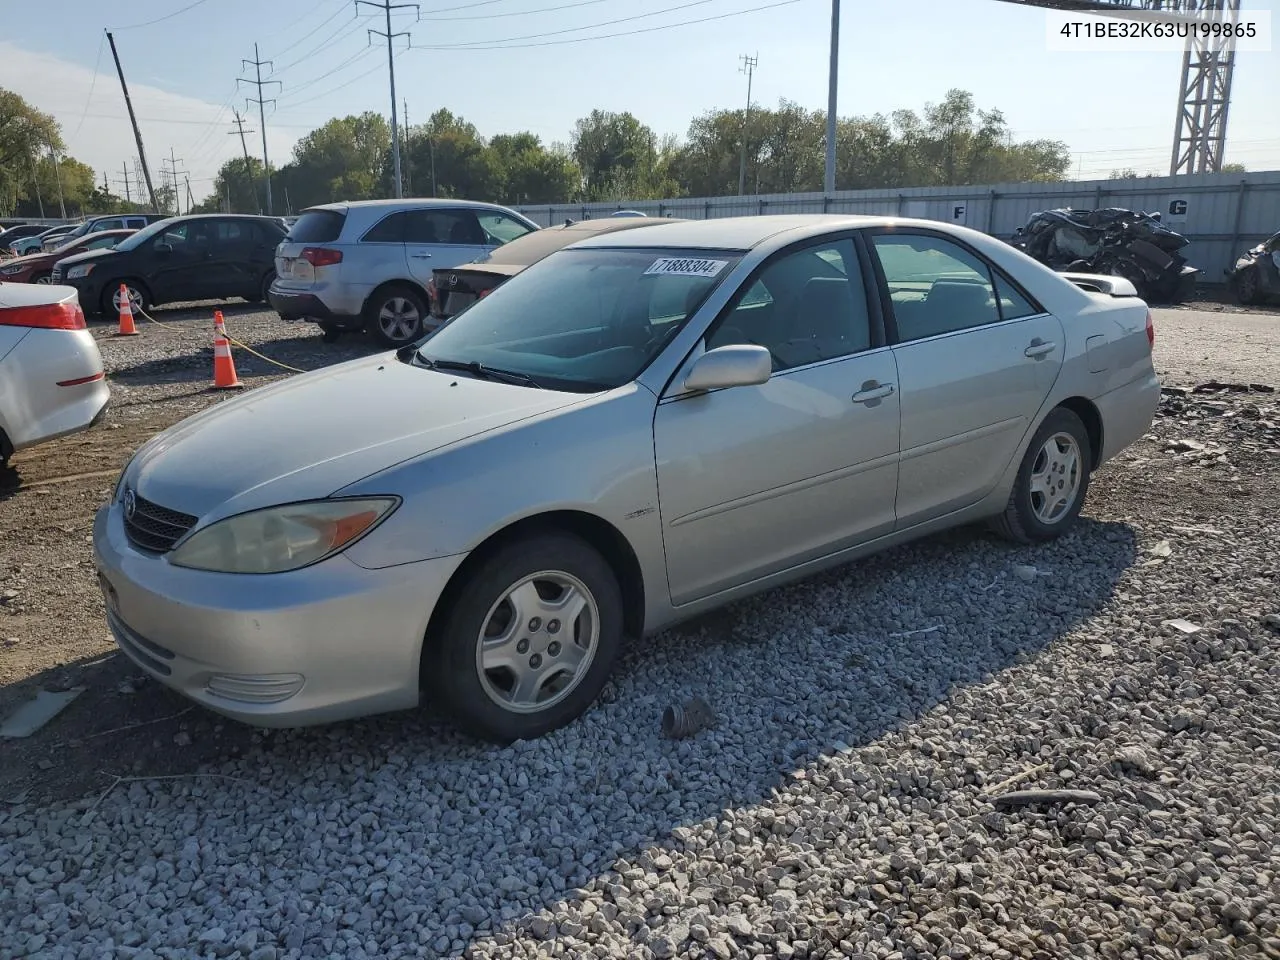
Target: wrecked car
(1112, 241)
(1255, 276)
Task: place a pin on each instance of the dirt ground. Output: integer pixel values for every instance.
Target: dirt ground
(52, 629)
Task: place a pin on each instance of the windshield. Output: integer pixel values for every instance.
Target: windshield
(582, 320)
(136, 240)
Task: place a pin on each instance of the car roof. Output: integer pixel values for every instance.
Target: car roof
(732, 233)
(534, 246)
(341, 206)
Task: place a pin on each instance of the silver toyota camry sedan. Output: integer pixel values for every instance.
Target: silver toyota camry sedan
(641, 427)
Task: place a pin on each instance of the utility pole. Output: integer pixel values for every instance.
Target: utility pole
(124, 168)
(248, 167)
(58, 177)
(35, 180)
(137, 134)
(829, 178)
(258, 64)
(172, 174)
(190, 199)
(387, 6)
(749, 68)
(408, 145)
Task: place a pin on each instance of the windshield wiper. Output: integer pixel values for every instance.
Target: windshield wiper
(478, 369)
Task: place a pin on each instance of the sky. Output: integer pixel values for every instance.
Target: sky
(538, 65)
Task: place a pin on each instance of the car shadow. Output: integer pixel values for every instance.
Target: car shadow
(301, 354)
(794, 675)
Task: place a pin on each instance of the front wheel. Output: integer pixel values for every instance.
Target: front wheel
(1052, 481)
(42, 278)
(1247, 286)
(529, 641)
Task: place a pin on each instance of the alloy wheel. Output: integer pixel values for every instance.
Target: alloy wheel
(399, 319)
(538, 642)
(1055, 478)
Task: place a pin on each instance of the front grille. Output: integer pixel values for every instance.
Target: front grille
(56, 274)
(153, 527)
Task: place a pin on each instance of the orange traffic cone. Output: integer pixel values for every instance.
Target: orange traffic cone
(126, 328)
(224, 367)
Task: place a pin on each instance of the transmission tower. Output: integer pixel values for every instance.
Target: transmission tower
(257, 63)
(171, 174)
(749, 68)
(1204, 91)
(386, 6)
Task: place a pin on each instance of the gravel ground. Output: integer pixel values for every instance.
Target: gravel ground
(844, 805)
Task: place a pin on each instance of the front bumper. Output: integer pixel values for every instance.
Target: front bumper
(330, 642)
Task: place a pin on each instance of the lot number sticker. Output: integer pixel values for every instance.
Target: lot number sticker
(686, 267)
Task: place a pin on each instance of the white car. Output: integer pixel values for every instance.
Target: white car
(52, 382)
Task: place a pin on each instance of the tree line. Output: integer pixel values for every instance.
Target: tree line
(608, 156)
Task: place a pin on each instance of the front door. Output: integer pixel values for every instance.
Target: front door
(180, 262)
(754, 480)
(976, 360)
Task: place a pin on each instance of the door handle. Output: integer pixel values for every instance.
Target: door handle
(873, 391)
(420, 256)
(1038, 348)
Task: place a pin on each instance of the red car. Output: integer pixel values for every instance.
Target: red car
(36, 267)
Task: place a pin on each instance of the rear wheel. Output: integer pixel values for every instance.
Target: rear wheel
(529, 641)
(395, 315)
(329, 333)
(264, 287)
(1052, 481)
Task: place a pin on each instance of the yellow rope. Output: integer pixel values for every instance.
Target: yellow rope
(247, 349)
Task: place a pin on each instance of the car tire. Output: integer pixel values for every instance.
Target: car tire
(395, 315)
(42, 278)
(471, 678)
(1057, 464)
(329, 333)
(137, 298)
(263, 287)
(1246, 285)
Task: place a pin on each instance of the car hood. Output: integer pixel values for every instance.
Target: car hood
(27, 260)
(313, 434)
(84, 257)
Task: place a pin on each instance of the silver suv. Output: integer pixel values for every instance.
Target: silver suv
(366, 264)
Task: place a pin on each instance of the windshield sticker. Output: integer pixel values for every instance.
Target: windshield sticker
(686, 267)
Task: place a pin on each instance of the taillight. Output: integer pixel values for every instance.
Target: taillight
(1151, 330)
(431, 290)
(47, 316)
(484, 293)
(321, 256)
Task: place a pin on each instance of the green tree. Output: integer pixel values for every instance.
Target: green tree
(342, 160)
(617, 154)
(241, 181)
(463, 163)
(531, 173)
(26, 136)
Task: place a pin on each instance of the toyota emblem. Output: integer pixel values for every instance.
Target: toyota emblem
(130, 503)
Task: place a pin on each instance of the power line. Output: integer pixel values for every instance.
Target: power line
(611, 36)
(512, 13)
(323, 45)
(303, 85)
(386, 6)
(92, 85)
(298, 103)
(590, 26)
(167, 16)
(257, 63)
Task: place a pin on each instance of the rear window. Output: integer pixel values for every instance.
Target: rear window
(318, 226)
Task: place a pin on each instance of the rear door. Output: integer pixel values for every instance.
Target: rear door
(231, 268)
(976, 358)
(439, 238)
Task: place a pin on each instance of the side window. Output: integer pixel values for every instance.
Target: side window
(806, 307)
(454, 227)
(1013, 305)
(102, 242)
(232, 233)
(391, 229)
(175, 237)
(500, 229)
(936, 286)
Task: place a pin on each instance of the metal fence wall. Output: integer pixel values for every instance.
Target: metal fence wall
(1221, 213)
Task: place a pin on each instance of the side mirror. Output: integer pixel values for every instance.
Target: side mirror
(163, 249)
(737, 365)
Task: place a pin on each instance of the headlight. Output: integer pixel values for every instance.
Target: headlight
(80, 270)
(282, 538)
(10, 271)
